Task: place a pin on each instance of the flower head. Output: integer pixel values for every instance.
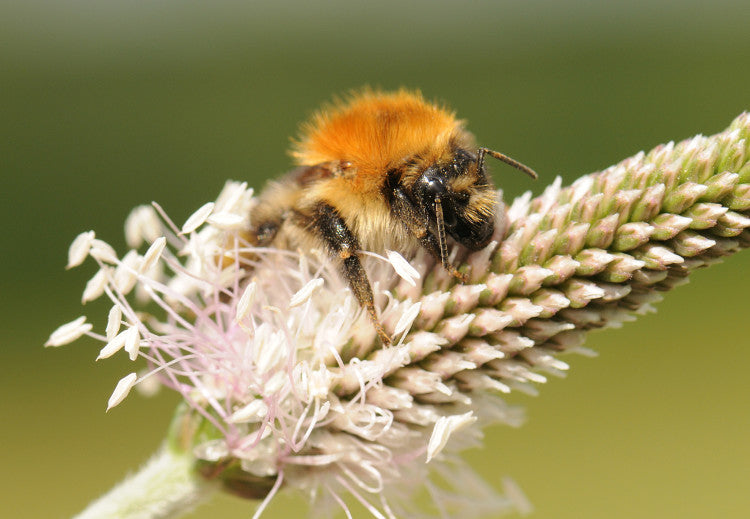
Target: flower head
(284, 382)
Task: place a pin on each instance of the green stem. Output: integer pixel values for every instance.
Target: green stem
(165, 487)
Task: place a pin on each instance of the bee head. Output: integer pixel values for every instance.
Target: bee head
(458, 199)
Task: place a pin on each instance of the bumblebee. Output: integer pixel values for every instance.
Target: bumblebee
(381, 171)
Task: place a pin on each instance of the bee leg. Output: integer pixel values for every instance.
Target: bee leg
(417, 225)
(343, 245)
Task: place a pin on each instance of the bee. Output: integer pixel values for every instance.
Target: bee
(381, 171)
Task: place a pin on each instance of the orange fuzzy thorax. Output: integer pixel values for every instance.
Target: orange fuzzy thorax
(377, 131)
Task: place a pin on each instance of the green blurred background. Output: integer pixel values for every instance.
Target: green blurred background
(106, 105)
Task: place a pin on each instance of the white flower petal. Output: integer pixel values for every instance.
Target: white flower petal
(407, 318)
(113, 321)
(152, 254)
(320, 383)
(269, 351)
(103, 251)
(444, 427)
(255, 411)
(133, 236)
(402, 267)
(69, 332)
(142, 224)
(113, 346)
(95, 286)
(149, 384)
(323, 411)
(275, 383)
(306, 292)
(132, 342)
(248, 296)
(232, 197)
(80, 248)
(197, 218)
(211, 450)
(126, 273)
(122, 389)
(226, 220)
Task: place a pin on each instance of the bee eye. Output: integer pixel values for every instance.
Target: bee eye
(449, 214)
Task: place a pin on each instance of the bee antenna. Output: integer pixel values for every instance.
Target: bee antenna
(504, 158)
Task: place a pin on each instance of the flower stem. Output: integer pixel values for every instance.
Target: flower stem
(165, 487)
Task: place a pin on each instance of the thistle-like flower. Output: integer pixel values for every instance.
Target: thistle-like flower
(283, 379)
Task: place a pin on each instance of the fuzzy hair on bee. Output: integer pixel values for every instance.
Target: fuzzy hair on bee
(379, 171)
